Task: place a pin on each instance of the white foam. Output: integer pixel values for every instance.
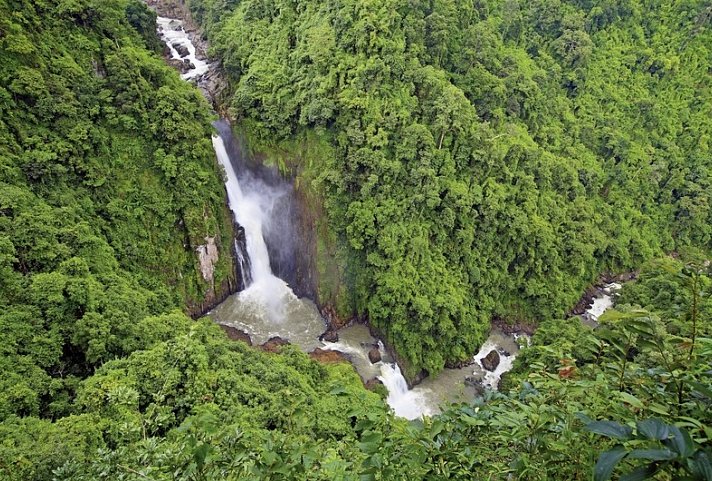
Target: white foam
(409, 404)
(173, 34)
(506, 361)
(603, 303)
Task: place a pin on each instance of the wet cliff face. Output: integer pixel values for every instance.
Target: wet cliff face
(217, 270)
(303, 251)
(321, 267)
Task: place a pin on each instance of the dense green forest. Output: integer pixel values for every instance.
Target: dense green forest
(107, 185)
(476, 160)
(197, 406)
(486, 158)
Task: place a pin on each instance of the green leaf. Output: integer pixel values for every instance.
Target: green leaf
(607, 462)
(632, 400)
(681, 442)
(470, 421)
(701, 466)
(370, 442)
(659, 409)
(652, 454)
(641, 473)
(610, 429)
(701, 388)
(653, 429)
(339, 390)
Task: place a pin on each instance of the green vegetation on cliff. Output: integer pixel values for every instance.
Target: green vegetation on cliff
(108, 184)
(491, 157)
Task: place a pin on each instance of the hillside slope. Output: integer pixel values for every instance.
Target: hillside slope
(490, 159)
(108, 185)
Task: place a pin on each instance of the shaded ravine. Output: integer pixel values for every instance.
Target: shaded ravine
(267, 307)
(260, 201)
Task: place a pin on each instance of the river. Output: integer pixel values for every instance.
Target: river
(268, 307)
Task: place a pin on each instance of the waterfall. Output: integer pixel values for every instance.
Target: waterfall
(409, 404)
(244, 263)
(260, 203)
(252, 211)
(175, 37)
(267, 301)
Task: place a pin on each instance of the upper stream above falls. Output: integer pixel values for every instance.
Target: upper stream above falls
(267, 307)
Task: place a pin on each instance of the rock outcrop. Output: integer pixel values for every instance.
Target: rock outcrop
(475, 382)
(208, 256)
(274, 344)
(373, 384)
(329, 336)
(236, 334)
(327, 356)
(491, 360)
(374, 355)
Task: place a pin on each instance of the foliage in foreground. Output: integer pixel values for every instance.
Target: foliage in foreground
(201, 407)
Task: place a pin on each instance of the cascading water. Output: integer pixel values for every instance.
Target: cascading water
(252, 211)
(602, 303)
(175, 37)
(406, 403)
(244, 263)
(267, 307)
(451, 385)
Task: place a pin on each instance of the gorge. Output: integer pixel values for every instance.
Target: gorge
(388, 181)
(268, 308)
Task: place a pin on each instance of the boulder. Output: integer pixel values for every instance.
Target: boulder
(236, 334)
(491, 360)
(181, 49)
(475, 382)
(374, 355)
(329, 336)
(274, 344)
(327, 356)
(373, 384)
(176, 64)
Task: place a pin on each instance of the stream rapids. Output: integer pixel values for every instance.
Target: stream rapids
(268, 307)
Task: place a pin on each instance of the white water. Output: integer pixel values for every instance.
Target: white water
(406, 403)
(603, 303)
(506, 362)
(267, 292)
(356, 341)
(434, 393)
(268, 307)
(173, 34)
(263, 308)
(449, 386)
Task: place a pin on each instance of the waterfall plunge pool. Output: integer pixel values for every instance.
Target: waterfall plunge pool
(268, 307)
